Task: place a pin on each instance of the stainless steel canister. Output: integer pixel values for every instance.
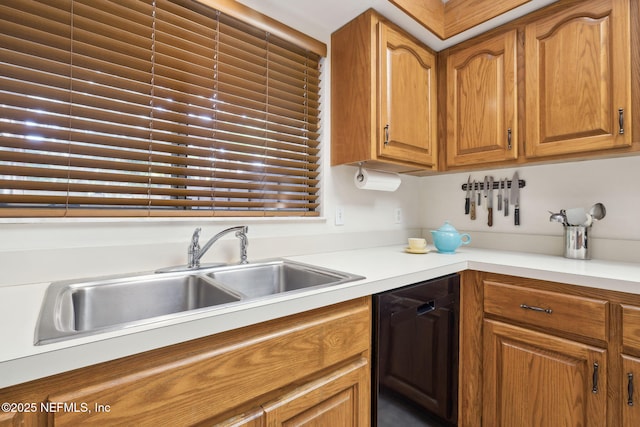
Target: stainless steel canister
(576, 242)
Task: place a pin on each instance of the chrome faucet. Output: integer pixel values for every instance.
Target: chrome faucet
(195, 252)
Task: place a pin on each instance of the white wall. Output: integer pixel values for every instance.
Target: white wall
(613, 182)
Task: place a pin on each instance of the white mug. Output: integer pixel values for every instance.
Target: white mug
(417, 243)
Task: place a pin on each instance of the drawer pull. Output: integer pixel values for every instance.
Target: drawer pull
(630, 389)
(595, 378)
(621, 121)
(530, 307)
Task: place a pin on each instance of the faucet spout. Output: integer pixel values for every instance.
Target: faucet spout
(195, 252)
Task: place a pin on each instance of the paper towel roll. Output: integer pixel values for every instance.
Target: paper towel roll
(374, 180)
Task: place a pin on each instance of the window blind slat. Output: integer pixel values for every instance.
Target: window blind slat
(153, 108)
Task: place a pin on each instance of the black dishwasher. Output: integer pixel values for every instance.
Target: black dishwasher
(415, 354)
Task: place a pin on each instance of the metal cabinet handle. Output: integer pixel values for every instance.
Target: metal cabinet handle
(533, 308)
(595, 378)
(621, 121)
(630, 389)
(509, 138)
(386, 134)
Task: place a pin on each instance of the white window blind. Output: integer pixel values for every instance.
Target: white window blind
(153, 108)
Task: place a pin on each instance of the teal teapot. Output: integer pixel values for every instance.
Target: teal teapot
(447, 239)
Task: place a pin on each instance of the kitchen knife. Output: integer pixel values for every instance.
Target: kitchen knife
(485, 188)
(515, 198)
(506, 197)
(472, 210)
(466, 199)
(500, 190)
(479, 203)
(490, 203)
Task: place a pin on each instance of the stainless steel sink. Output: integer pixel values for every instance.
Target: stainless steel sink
(72, 309)
(273, 277)
(78, 308)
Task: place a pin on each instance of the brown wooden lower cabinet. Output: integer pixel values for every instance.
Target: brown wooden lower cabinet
(312, 367)
(540, 353)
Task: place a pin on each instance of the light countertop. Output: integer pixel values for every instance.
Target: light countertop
(385, 268)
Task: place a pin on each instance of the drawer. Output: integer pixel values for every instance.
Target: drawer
(631, 326)
(548, 310)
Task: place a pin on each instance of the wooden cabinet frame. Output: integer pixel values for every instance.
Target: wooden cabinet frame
(233, 378)
(619, 23)
(384, 97)
(619, 348)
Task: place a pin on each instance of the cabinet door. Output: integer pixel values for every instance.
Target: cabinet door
(578, 80)
(407, 87)
(339, 399)
(629, 393)
(13, 419)
(534, 379)
(482, 102)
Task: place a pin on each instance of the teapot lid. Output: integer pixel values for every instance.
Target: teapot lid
(448, 228)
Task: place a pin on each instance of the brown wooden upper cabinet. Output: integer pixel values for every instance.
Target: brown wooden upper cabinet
(578, 80)
(383, 90)
(482, 102)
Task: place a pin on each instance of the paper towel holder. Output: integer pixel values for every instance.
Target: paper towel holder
(360, 176)
(365, 179)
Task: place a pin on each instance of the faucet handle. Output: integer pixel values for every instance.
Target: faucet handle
(193, 254)
(196, 236)
(244, 242)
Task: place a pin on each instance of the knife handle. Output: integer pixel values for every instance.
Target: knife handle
(473, 210)
(516, 216)
(467, 205)
(490, 218)
(506, 206)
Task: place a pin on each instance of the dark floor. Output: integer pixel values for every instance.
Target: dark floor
(393, 412)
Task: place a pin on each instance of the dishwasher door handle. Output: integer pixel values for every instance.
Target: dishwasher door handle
(412, 310)
(425, 308)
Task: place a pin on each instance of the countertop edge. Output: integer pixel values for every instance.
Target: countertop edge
(401, 269)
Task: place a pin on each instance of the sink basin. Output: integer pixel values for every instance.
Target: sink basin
(273, 277)
(73, 308)
(100, 305)
(79, 308)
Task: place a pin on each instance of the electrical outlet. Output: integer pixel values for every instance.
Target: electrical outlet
(397, 216)
(339, 216)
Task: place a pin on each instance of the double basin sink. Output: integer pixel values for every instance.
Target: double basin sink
(79, 308)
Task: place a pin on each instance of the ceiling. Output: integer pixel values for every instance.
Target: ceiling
(320, 18)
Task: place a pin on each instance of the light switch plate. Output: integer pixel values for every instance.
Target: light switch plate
(339, 216)
(397, 216)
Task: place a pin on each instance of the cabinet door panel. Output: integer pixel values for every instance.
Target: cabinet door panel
(630, 391)
(578, 77)
(534, 379)
(338, 399)
(482, 102)
(407, 87)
